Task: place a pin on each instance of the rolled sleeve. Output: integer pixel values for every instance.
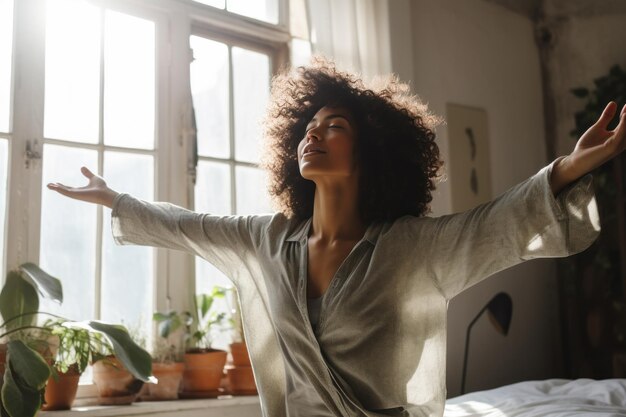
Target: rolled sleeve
(525, 222)
(224, 241)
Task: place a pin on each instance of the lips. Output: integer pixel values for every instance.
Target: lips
(311, 149)
(312, 153)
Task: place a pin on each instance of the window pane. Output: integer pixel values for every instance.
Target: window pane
(266, 10)
(72, 80)
(68, 232)
(300, 52)
(130, 268)
(209, 88)
(251, 77)
(215, 3)
(6, 49)
(4, 166)
(212, 193)
(251, 191)
(129, 81)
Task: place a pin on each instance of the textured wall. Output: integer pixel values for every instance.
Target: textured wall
(480, 54)
(582, 47)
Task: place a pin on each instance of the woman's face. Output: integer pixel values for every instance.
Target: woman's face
(327, 148)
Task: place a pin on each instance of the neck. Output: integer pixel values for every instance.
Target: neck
(336, 212)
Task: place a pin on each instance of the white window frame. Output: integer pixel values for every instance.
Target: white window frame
(175, 22)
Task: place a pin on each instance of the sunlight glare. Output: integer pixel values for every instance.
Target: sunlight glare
(6, 52)
(72, 80)
(129, 75)
(594, 216)
(265, 10)
(535, 244)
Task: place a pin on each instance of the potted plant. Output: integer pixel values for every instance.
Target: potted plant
(76, 349)
(167, 358)
(116, 382)
(204, 365)
(239, 372)
(27, 370)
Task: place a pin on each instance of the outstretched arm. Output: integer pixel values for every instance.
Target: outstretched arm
(224, 241)
(96, 191)
(551, 214)
(595, 147)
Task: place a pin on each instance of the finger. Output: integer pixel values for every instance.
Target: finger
(86, 172)
(607, 114)
(620, 134)
(60, 188)
(618, 139)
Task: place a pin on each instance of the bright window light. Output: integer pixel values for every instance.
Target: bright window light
(6, 52)
(129, 81)
(72, 104)
(265, 10)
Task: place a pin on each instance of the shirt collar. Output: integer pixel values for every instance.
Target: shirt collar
(301, 232)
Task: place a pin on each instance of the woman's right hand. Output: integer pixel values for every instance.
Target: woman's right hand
(94, 192)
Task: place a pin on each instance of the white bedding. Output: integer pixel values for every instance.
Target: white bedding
(552, 397)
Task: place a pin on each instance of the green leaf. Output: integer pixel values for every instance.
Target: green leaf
(136, 360)
(159, 317)
(47, 285)
(16, 298)
(28, 365)
(168, 323)
(19, 400)
(164, 328)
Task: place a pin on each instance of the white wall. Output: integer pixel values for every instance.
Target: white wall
(478, 54)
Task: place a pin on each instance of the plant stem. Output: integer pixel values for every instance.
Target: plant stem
(24, 328)
(29, 314)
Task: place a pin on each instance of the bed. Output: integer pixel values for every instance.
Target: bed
(552, 397)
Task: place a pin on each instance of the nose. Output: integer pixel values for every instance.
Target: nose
(310, 134)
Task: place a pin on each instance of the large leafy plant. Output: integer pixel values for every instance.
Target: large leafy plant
(605, 294)
(26, 370)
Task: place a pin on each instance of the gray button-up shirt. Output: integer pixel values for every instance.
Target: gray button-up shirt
(380, 345)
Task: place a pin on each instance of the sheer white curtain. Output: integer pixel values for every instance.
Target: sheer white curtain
(355, 33)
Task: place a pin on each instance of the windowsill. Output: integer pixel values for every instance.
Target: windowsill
(223, 406)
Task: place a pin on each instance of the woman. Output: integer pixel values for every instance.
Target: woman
(344, 291)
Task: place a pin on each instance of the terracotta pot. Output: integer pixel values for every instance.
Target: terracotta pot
(115, 384)
(61, 392)
(203, 370)
(241, 380)
(170, 376)
(239, 352)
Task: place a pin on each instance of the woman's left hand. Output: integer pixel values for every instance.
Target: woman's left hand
(595, 147)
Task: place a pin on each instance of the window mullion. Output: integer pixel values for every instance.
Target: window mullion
(180, 272)
(24, 190)
(166, 151)
(99, 226)
(231, 129)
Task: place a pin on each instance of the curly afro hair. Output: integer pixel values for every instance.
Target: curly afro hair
(396, 151)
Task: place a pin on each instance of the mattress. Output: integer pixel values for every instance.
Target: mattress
(552, 397)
